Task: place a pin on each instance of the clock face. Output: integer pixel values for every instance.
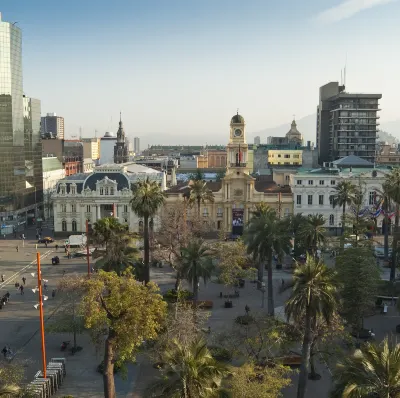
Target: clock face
(238, 133)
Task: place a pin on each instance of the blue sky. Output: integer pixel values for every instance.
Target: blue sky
(179, 69)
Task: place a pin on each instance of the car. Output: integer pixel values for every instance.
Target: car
(46, 239)
(363, 333)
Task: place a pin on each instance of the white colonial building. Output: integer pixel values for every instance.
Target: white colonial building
(313, 189)
(105, 192)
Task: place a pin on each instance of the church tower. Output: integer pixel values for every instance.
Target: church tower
(237, 148)
(121, 146)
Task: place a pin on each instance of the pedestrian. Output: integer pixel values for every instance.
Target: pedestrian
(53, 293)
(63, 272)
(23, 280)
(4, 351)
(283, 282)
(21, 288)
(17, 249)
(56, 247)
(16, 285)
(2, 278)
(247, 309)
(45, 287)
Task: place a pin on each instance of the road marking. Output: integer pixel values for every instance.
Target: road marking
(23, 269)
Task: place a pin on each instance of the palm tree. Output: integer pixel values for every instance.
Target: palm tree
(105, 229)
(189, 371)
(313, 296)
(200, 193)
(147, 199)
(343, 197)
(312, 232)
(264, 236)
(196, 264)
(294, 223)
(386, 205)
(372, 371)
(260, 209)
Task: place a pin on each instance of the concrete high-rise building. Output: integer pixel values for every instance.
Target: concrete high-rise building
(347, 124)
(107, 148)
(52, 126)
(257, 140)
(21, 186)
(136, 145)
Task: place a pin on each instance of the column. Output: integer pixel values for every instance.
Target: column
(98, 213)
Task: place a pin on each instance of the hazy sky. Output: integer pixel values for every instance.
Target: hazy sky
(179, 68)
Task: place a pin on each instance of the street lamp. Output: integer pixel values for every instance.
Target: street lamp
(40, 305)
(87, 248)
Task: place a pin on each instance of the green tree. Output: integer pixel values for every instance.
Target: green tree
(264, 236)
(252, 381)
(384, 197)
(260, 209)
(358, 277)
(200, 193)
(189, 371)
(127, 312)
(372, 371)
(343, 196)
(196, 264)
(313, 296)
(147, 199)
(294, 224)
(104, 230)
(312, 233)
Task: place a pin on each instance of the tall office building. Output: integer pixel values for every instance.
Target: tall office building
(347, 124)
(136, 145)
(257, 140)
(52, 126)
(20, 175)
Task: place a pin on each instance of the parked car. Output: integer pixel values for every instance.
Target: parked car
(379, 251)
(363, 334)
(46, 239)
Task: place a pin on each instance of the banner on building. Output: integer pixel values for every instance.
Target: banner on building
(237, 217)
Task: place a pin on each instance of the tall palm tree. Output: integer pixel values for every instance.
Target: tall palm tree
(105, 229)
(196, 264)
(260, 209)
(294, 223)
(189, 371)
(313, 296)
(312, 232)
(386, 205)
(200, 193)
(372, 371)
(344, 196)
(147, 199)
(393, 185)
(264, 236)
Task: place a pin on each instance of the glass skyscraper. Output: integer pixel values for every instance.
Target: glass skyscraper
(21, 182)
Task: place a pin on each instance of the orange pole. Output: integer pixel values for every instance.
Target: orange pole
(41, 314)
(87, 248)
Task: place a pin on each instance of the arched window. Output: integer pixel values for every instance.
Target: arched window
(140, 227)
(74, 226)
(331, 219)
(64, 226)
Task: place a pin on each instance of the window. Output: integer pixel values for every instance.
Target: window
(286, 212)
(88, 209)
(63, 208)
(106, 191)
(279, 156)
(333, 182)
(296, 156)
(310, 182)
(372, 198)
(219, 212)
(125, 220)
(74, 226)
(205, 212)
(321, 199)
(125, 208)
(62, 191)
(73, 190)
(112, 191)
(321, 182)
(287, 178)
(287, 156)
(309, 200)
(331, 200)
(219, 224)
(299, 182)
(73, 208)
(101, 191)
(298, 200)
(64, 226)
(331, 219)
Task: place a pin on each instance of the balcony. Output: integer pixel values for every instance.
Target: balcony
(238, 164)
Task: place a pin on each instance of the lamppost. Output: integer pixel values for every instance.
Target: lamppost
(40, 305)
(87, 248)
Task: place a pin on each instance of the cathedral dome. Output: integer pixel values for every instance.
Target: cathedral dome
(293, 134)
(237, 119)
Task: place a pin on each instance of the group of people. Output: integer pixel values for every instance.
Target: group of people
(7, 352)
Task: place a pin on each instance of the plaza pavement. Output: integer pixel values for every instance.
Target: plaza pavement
(19, 322)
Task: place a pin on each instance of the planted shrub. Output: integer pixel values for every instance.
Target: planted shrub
(171, 295)
(220, 354)
(244, 319)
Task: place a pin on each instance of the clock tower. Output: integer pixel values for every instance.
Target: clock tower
(237, 148)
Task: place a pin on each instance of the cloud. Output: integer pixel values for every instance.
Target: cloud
(347, 9)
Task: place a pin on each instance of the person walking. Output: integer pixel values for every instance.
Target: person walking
(2, 278)
(17, 249)
(53, 293)
(23, 280)
(56, 247)
(45, 287)
(21, 288)
(45, 243)
(247, 309)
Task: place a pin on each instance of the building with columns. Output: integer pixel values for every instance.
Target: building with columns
(105, 192)
(236, 195)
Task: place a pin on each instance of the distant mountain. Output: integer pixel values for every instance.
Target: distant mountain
(306, 126)
(390, 131)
